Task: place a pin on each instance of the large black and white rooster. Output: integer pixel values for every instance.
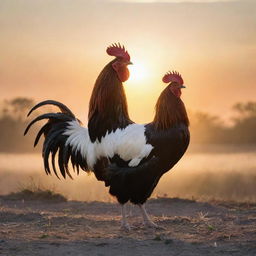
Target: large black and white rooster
(128, 157)
(107, 112)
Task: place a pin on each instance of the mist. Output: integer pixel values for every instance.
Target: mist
(202, 176)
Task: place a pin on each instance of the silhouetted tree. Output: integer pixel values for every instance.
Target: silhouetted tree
(245, 110)
(17, 107)
(13, 122)
(244, 123)
(206, 128)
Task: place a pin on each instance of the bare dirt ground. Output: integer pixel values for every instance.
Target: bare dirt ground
(41, 227)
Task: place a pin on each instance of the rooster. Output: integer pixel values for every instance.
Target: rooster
(167, 135)
(107, 112)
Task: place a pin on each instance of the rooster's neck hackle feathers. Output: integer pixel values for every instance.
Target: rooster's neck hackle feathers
(107, 88)
(108, 108)
(170, 111)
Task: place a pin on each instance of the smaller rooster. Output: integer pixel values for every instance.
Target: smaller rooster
(168, 138)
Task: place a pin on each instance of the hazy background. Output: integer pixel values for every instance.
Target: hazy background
(54, 49)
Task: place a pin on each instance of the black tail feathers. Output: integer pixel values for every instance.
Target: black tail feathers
(55, 139)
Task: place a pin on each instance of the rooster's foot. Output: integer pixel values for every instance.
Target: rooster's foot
(125, 227)
(151, 224)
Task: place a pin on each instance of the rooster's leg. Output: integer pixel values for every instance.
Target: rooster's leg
(124, 224)
(146, 219)
(129, 210)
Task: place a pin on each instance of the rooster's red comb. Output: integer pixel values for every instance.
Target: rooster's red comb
(118, 51)
(173, 76)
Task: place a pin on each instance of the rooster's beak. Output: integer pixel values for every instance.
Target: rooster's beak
(182, 86)
(129, 63)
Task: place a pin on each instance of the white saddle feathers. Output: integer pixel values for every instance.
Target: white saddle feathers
(129, 143)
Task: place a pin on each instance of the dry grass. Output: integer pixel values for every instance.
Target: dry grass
(36, 191)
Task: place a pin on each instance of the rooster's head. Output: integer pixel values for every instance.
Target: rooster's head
(176, 82)
(121, 61)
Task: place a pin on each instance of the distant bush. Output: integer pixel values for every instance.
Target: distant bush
(27, 194)
(34, 190)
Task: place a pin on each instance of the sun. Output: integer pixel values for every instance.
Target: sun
(138, 73)
(142, 78)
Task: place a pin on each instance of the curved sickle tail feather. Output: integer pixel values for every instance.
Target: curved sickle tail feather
(63, 108)
(63, 134)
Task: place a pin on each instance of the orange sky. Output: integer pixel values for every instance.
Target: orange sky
(54, 49)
